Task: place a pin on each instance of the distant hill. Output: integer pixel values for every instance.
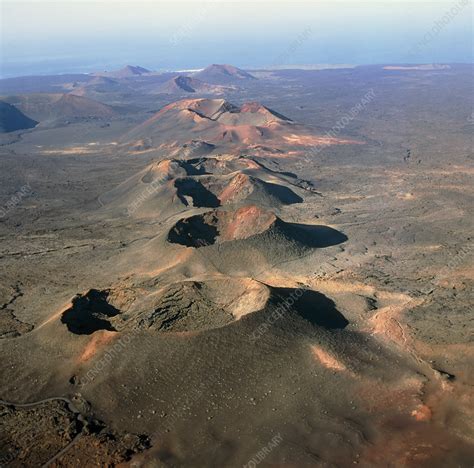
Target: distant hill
(44, 107)
(186, 84)
(11, 119)
(224, 126)
(215, 120)
(102, 81)
(129, 71)
(39, 84)
(99, 85)
(223, 74)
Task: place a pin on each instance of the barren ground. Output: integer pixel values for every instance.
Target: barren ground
(342, 323)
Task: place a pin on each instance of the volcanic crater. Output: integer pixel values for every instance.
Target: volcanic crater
(196, 306)
(193, 306)
(219, 226)
(212, 191)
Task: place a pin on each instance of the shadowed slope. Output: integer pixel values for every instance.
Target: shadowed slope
(11, 119)
(312, 306)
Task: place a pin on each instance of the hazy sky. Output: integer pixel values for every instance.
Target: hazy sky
(66, 35)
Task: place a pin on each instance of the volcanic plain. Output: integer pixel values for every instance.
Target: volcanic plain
(216, 268)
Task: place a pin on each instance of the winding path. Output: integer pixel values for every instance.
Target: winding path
(71, 407)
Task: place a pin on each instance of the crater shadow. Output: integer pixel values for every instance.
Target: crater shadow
(317, 236)
(284, 194)
(198, 148)
(312, 306)
(201, 196)
(197, 165)
(204, 229)
(90, 312)
(193, 232)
